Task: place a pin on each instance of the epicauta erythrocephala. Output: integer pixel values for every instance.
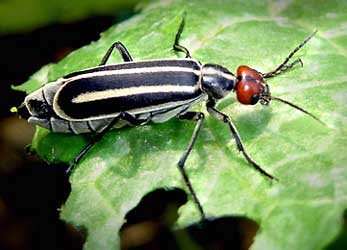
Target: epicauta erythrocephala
(108, 96)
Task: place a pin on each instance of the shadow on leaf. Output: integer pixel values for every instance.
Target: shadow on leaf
(149, 226)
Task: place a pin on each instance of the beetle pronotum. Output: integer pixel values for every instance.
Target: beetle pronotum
(98, 99)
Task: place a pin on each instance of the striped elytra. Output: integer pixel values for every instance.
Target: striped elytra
(133, 87)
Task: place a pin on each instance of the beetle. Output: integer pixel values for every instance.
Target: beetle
(109, 96)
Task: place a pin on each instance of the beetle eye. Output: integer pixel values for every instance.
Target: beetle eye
(255, 99)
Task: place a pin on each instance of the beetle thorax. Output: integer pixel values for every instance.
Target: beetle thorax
(217, 81)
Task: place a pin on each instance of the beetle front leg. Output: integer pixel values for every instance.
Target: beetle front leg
(226, 119)
(122, 51)
(199, 118)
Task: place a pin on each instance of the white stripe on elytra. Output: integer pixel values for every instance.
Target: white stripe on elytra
(123, 92)
(134, 71)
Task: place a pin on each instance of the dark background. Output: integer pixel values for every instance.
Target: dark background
(30, 190)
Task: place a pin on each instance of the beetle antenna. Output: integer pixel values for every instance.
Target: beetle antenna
(298, 108)
(284, 66)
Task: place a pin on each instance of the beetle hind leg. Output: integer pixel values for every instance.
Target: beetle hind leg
(133, 120)
(93, 141)
(124, 116)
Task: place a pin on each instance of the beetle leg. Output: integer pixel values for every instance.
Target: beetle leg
(226, 119)
(133, 120)
(199, 118)
(122, 51)
(94, 140)
(176, 45)
(124, 116)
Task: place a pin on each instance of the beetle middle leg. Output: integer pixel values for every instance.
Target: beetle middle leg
(226, 119)
(122, 51)
(176, 45)
(199, 118)
(124, 116)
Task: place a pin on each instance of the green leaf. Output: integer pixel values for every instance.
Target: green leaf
(301, 211)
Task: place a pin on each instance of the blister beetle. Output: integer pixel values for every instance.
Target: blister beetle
(98, 99)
